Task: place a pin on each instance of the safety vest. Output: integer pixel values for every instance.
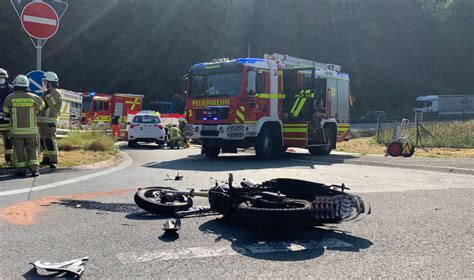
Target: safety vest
(174, 133)
(53, 101)
(23, 108)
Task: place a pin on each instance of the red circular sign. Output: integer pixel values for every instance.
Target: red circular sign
(39, 20)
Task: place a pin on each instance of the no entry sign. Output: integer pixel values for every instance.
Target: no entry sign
(39, 20)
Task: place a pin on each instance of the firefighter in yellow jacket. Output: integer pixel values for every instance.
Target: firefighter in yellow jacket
(48, 119)
(22, 107)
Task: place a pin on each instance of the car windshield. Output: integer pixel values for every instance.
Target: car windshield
(228, 84)
(146, 119)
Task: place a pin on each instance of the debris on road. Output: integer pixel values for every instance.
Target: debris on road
(176, 178)
(172, 226)
(75, 267)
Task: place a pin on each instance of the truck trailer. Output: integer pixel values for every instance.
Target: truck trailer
(462, 104)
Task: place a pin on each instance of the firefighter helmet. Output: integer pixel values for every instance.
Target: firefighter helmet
(21, 81)
(3, 73)
(51, 77)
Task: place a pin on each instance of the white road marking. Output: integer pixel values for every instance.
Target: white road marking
(40, 20)
(126, 163)
(396, 165)
(255, 248)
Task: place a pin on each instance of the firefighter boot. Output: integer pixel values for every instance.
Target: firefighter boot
(52, 165)
(35, 173)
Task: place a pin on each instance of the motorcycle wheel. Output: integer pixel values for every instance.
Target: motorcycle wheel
(293, 213)
(149, 200)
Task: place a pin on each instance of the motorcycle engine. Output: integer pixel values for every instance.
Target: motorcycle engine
(220, 201)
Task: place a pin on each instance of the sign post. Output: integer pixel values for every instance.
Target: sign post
(38, 54)
(40, 20)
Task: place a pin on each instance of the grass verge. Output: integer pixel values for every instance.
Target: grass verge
(367, 145)
(455, 134)
(81, 148)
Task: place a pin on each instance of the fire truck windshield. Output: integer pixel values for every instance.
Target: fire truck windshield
(215, 85)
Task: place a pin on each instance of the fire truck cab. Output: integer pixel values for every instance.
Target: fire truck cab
(270, 104)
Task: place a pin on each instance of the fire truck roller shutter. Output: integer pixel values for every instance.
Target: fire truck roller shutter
(273, 77)
(332, 96)
(342, 100)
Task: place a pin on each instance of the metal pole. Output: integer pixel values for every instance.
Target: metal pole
(378, 129)
(417, 121)
(38, 55)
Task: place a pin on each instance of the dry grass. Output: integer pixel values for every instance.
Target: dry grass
(80, 149)
(366, 145)
(88, 140)
(77, 158)
(455, 134)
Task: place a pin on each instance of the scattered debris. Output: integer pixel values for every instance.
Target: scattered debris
(172, 226)
(176, 178)
(75, 266)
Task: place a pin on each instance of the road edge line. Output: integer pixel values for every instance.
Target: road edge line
(126, 163)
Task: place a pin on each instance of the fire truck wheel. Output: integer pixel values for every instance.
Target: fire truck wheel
(264, 148)
(212, 151)
(326, 149)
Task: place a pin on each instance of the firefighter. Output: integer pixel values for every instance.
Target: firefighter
(22, 107)
(115, 120)
(174, 136)
(182, 128)
(5, 90)
(48, 119)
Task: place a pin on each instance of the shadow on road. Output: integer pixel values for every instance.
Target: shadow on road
(283, 244)
(31, 274)
(244, 161)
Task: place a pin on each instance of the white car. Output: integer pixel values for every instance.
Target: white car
(146, 127)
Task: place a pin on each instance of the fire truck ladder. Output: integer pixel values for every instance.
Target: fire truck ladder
(296, 62)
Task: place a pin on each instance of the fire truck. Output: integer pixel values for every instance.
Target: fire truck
(98, 107)
(271, 104)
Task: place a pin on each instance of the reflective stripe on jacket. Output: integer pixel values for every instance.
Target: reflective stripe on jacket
(174, 133)
(53, 102)
(23, 108)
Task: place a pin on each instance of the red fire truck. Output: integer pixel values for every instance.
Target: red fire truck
(270, 104)
(97, 108)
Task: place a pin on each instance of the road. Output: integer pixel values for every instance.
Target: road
(420, 226)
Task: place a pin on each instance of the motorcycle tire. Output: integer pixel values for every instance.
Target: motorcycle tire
(145, 201)
(300, 215)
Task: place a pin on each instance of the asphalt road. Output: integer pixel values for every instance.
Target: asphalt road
(420, 226)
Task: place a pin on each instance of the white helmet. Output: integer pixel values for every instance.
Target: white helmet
(3, 73)
(21, 81)
(51, 77)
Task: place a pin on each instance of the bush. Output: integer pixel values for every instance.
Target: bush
(455, 134)
(87, 140)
